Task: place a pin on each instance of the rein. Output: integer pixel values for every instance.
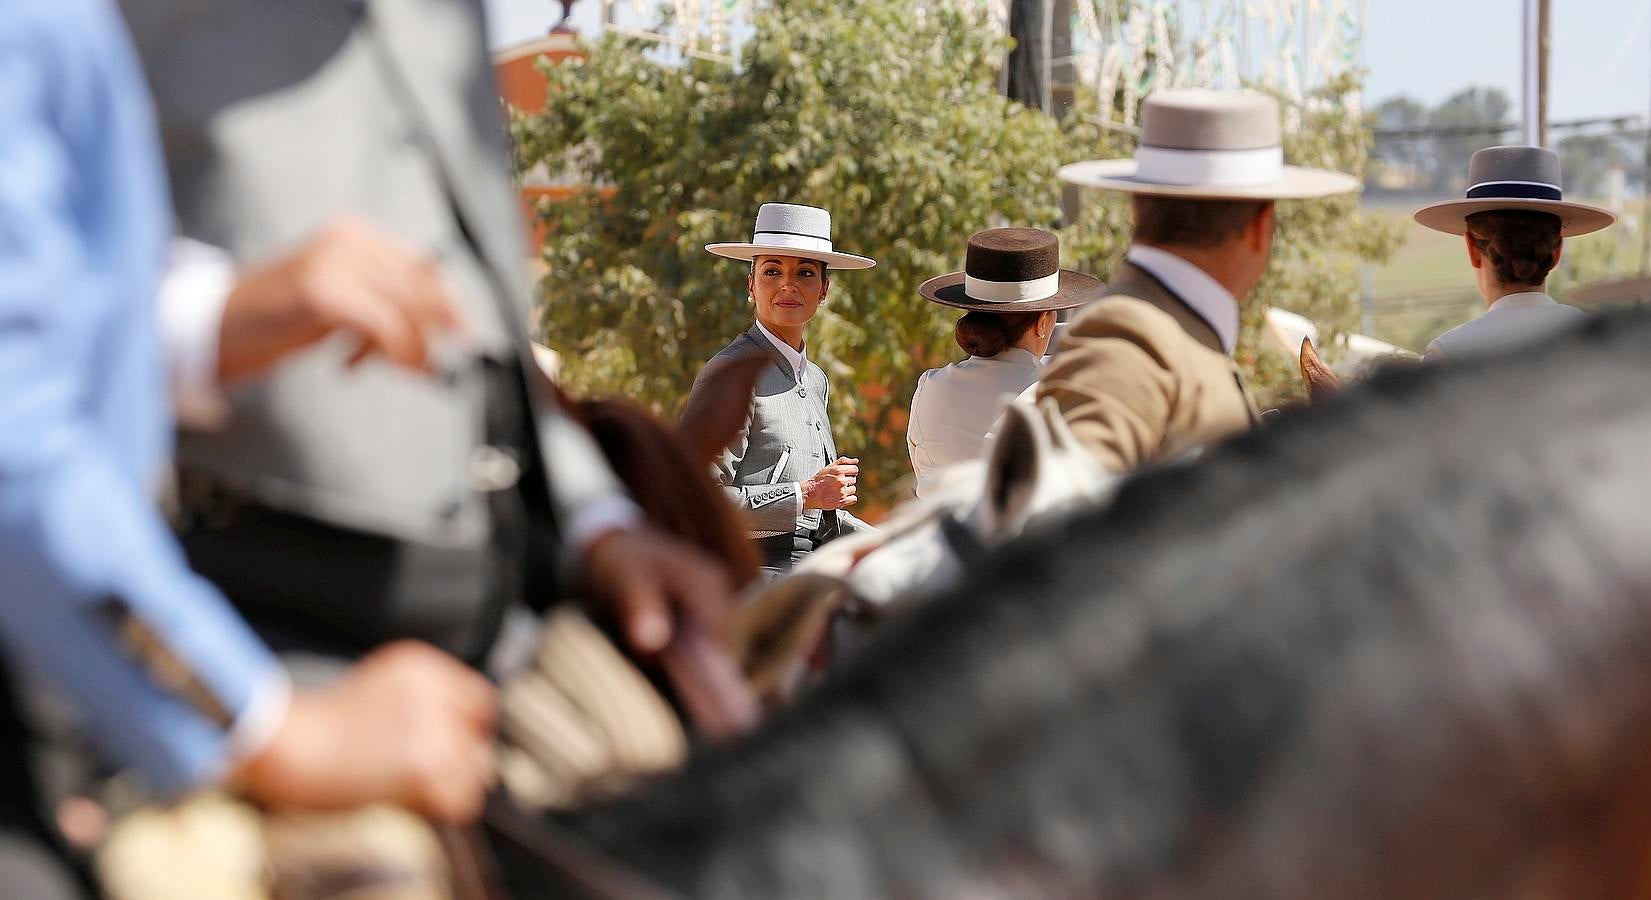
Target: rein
(571, 867)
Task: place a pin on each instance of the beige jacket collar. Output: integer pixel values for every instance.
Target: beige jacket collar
(1194, 287)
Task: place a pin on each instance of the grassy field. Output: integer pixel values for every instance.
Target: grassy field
(1427, 287)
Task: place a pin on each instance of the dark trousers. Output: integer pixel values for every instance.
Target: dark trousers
(781, 552)
(33, 863)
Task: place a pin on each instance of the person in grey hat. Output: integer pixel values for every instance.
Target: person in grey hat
(1514, 221)
(783, 471)
(1011, 288)
(1146, 372)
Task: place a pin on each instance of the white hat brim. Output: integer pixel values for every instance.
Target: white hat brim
(1294, 183)
(1451, 216)
(832, 260)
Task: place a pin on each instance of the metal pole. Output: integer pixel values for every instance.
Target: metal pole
(1045, 99)
(1645, 205)
(1529, 112)
(1542, 30)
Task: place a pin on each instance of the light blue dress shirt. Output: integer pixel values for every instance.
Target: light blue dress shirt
(84, 422)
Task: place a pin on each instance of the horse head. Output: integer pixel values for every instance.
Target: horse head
(1389, 647)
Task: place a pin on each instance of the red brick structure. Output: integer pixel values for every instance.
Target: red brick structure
(523, 87)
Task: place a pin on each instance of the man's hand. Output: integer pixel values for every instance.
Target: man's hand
(833, 487)
(407, 725)
(351, 276)
(648, 579)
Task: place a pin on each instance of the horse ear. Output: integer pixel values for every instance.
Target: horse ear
(1012, 469)
(719, 406)
(1320, 379)
(1060, 433)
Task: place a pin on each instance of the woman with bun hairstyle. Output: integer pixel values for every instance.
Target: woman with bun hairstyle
(1514, 220)
(1011, 288)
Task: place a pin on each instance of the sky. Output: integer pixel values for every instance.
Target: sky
(1428, 49)
(1600, 52)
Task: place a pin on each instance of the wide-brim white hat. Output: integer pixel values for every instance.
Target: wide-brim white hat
(1514, 178)
(1210, 145)
(788, 229)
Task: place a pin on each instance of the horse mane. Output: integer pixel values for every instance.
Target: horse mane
(661, 474)
(1395, 645)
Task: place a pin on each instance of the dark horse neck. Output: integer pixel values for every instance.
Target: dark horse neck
(1398, 645)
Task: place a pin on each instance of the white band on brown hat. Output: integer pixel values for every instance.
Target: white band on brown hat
(1220, 168)
(1012, 291)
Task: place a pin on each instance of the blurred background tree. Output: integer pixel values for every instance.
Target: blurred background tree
(890, 114)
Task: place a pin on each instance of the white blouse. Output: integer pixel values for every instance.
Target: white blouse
(956, 405)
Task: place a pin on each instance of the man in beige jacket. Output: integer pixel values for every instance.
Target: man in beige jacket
(1146, 372)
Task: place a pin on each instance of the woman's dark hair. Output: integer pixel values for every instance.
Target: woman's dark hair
(988, 333)
(1519, 243)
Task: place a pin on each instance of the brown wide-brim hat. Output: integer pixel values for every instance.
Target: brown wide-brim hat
(1012, 270)
(1514, 178)
(1210, 145)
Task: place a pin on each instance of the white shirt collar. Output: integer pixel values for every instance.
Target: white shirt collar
(1014, 355)
(792, 355)
(1212, 302)
(1523, 300)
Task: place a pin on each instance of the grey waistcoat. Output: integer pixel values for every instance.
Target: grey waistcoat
(278, 117)
(786, 440)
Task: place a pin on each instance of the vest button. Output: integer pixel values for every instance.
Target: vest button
(493, 469)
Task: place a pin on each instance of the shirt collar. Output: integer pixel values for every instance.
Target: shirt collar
(1212, 302)
(1019, 356)
(1523, 300)
(792, 355)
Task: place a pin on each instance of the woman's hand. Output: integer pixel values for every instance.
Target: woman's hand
(834, 486)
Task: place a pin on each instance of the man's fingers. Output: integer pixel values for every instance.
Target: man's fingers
(455, 796)
(381, 326)
(409, 285)
(702, 588)
(475, 700)
(646, 617)
(444, 308)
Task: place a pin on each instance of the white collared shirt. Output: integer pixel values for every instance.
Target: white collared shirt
(1212, 302)
(1513, 320)
(798, 364)
(955, 406)
(792, 354)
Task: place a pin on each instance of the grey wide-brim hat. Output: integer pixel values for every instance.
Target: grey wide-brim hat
(1012, 270)
(1210, 145)
(787, 229)
(1514, 178)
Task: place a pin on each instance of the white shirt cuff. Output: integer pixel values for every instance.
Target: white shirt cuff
(263, 716)
(199, 278)
(600, 516)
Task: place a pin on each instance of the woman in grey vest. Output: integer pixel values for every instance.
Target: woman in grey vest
(783, 470)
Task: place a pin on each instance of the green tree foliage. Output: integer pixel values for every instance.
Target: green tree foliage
(890, 119)
(1469, 108)
(888, 113)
